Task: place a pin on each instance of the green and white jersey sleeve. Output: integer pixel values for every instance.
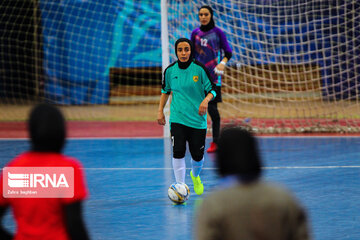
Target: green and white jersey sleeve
(189, 88)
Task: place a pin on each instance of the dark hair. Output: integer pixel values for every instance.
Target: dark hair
(47, 128)
(237, 154)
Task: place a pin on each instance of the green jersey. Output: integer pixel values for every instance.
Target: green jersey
(189, 87)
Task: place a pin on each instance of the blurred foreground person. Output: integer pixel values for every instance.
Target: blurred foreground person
(247, 207)
(54, 217)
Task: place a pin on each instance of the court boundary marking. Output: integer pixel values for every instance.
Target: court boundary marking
(257, 136)
(271, 168)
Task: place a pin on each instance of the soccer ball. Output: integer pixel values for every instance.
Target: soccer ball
(178, 192)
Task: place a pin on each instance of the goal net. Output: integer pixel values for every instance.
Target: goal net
(99, 60)
(295, 65)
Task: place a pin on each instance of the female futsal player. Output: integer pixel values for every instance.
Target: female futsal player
(213, 50)
(192, 90)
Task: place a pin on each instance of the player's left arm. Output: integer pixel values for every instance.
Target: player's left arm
(205, 103)
(72, 209)
(74, 221)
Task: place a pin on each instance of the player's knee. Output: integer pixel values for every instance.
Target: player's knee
(179, 154)
(197, 157)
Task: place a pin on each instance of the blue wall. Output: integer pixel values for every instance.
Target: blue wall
(83, 39)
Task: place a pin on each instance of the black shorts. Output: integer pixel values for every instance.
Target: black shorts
(180, 134)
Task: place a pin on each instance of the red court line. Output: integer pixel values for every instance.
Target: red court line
(294, 123)
(77, 129)
(84, 129)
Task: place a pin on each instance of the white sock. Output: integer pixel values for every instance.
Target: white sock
(196, 167)
(179, 167)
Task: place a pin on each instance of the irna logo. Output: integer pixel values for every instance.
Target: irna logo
(38, 182)
(20, 180)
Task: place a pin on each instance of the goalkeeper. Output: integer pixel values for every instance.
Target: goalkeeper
(210, 45)
(191, 88)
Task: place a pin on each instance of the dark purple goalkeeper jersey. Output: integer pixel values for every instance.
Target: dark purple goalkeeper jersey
(209, 47)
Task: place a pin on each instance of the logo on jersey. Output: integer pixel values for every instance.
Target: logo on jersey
(195, 78)
(38, 182)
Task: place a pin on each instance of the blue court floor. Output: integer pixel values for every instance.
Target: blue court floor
(128, 181)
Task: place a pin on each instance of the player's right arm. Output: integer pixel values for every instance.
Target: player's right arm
(3, 233)
(165, 93)
(163, 100)
(192, 38)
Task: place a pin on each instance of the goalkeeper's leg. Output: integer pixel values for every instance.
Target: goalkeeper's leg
(215, 120)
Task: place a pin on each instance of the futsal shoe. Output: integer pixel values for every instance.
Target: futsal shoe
(212, 148)
(198, 186)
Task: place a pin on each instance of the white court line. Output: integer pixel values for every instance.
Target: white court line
(311, 167)
(271, 168)
(150, 169)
